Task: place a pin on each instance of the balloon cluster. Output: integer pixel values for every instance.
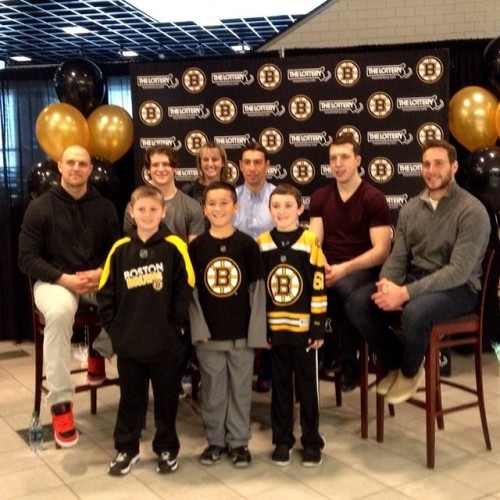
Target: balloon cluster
(474, 119)
(105, 130)
(474, 112)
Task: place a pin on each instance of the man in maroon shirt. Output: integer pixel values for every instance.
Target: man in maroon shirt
(352, 221)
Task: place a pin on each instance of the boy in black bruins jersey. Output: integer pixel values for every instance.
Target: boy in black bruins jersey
(296, 308)
(228, 319)
(143, 298)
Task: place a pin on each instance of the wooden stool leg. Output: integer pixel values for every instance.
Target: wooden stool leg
(38, 369)
(363, 388)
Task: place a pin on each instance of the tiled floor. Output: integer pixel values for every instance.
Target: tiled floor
(352, 467)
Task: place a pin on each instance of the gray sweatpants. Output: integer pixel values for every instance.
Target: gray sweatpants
(226, 394)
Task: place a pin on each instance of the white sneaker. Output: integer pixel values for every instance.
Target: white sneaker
(387, 382)
(404, 388)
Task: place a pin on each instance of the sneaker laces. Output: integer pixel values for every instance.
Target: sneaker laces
(165, 457)
(64, 423)
(121, 457)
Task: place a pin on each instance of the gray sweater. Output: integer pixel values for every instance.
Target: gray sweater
(449, 242)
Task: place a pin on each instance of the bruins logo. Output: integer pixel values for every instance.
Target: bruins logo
(233, 172)
(194, 141)
(381, 170)
(430, 69)
(347, 73)
(269, 77)
(271, 139)
(302, 171)
(429, 131)
(194, 80)
(380, 105)
(349, 129)
(284, 285)
(151, 113)
(300, 107)
(225, 110)
(222, 277)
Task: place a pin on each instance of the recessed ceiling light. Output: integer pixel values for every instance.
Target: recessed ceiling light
(21, 58)
(129, 53)
(75, 30)
(241, 47)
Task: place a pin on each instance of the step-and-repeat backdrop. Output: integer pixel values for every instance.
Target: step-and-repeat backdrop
(294, 106)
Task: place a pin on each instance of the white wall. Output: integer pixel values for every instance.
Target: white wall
(349, 23)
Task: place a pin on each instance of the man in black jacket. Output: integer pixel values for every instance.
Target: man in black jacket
(65, 237)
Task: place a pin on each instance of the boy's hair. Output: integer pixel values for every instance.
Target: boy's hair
(162, 150)
(224, 173)
(347, 139)
(285, 188)
(221, 185)
(255, 146)
(147, 191)
(437, 143)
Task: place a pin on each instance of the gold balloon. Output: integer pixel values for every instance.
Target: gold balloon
(497, 119)
(472, 117)
(111, 132)
(58, 126)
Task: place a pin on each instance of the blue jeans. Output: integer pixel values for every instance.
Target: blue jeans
(406, 350)
(337, 297)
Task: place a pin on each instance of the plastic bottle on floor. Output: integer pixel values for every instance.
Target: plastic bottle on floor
(35, 433)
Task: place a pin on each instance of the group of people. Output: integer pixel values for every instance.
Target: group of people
(230, 270)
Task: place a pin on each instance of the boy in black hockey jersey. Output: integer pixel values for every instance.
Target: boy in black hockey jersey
(143, 298)
(296, 307)
(227, 317)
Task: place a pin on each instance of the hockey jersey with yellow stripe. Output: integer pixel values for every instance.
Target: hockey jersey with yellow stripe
(295, 282)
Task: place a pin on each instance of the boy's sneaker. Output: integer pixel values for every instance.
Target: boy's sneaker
(96, 373)
(65, 433)
(167, 462)
(281, 455)
(211, 454)
(241, 456)
(122, 464)
(311, 457)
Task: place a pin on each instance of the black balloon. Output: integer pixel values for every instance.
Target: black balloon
(491, 65)
(104, 177)
(42, 177)
(482, 175)
(80, 83)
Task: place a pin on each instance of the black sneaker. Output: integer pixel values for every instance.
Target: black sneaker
(311, 457)
(349, 375)
(281, 455)
(167, 462)
(241, 456)
(211, 454)
(122, 464)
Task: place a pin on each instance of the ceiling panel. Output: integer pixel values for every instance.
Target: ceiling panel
(33, 28)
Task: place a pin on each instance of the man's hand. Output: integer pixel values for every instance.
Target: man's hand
(92, 277)
(82, 282)
(389, 296)
(335, 273)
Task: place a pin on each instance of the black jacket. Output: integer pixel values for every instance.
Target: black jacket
(144, 295)
(62, 235)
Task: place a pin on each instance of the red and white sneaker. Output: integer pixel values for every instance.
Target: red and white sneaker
(65, 432)
(96, 373)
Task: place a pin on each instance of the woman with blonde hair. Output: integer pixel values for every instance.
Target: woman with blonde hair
(212, 166)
